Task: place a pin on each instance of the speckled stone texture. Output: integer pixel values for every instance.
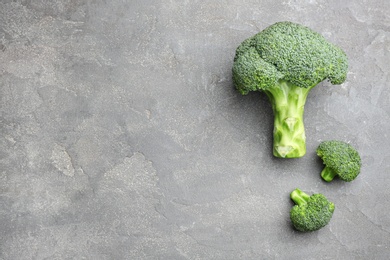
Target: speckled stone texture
(122, 136)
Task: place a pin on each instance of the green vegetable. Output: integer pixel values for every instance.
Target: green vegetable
(340, 159)
(286, 60)
(311, 212)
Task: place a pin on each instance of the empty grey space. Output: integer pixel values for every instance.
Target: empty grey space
(122, 136)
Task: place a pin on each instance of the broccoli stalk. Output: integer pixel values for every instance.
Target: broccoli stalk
(328, 174)
(286, 60)
(299, 197)
(288, 102)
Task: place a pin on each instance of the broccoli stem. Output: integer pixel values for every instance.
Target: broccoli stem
(288, 102)
(299, 197)
(328, 174)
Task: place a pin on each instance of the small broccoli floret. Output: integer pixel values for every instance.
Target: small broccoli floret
(286, 60)
(340, 159)
(311, 212)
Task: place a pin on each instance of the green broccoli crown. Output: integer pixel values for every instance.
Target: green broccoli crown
(311, 212)
(289, 52)
(340, 159)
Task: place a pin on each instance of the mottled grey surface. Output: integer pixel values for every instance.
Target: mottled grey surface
(122, 136)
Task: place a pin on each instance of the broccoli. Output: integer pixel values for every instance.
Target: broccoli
(286, 60)
(340, 159)
(311, 212)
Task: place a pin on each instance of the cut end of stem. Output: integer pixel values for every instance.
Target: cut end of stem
(299, 197)
(331, 207)
(288, 151)
(328, 174)
(283, 151)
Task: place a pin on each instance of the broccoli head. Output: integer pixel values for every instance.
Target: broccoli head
(311, 212)
(285, 61)
(340, 159)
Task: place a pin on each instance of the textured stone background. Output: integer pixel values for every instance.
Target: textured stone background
(122, 136)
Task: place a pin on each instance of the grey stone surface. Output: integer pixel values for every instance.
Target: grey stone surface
(122, 136)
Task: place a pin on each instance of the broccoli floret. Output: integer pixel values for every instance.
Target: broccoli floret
(286, 60)
(340, 159)
(311, 212)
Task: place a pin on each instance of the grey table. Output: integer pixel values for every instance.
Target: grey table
(122, 136)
